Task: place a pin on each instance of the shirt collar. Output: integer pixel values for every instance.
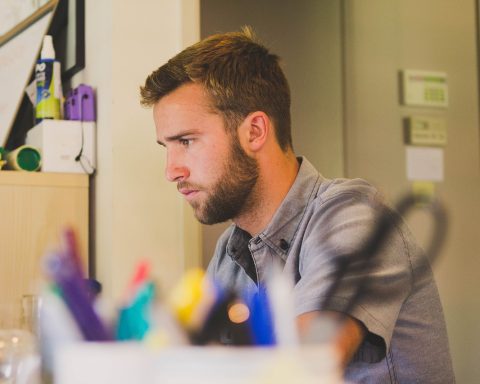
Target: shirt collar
(282, 228)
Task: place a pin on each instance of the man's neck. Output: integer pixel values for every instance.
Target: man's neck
(275, 180)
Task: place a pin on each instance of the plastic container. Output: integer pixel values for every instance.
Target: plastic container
(48, 84)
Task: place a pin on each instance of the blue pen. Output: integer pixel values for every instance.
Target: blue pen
(261, 321)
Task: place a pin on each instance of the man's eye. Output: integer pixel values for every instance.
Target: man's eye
(185, 142)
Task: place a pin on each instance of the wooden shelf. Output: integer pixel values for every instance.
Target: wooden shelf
(34, 208)
(43, 178)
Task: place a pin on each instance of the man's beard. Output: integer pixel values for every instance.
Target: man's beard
(231, 192)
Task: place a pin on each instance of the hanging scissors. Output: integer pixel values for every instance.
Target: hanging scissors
(387, 221)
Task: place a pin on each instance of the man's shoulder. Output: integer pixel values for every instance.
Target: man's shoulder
(331, 190)
(344, 210)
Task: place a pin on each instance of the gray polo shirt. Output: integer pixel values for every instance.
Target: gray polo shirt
(319, 219)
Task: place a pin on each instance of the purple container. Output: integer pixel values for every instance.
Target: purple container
(80, 104)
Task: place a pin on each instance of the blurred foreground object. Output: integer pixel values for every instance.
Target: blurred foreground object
(19, 362)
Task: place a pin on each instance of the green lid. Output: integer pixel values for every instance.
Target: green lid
(28, 159)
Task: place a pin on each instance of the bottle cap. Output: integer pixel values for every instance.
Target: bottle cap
(48, 52)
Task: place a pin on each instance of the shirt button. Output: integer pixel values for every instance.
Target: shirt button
(257, 240)
(284, 244)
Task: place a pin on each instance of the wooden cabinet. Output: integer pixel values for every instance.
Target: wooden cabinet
(34, 207)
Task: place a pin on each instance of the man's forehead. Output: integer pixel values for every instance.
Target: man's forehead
(188, 102)
(185, 109)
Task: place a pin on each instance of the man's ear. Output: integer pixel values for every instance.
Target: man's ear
(255, 130)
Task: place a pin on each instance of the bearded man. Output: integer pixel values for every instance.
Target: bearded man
(222, 111)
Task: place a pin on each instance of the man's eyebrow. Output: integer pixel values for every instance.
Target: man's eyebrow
(177, 137)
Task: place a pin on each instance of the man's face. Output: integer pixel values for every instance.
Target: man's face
(210, 167)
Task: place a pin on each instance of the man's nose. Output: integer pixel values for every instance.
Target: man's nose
(175, 170)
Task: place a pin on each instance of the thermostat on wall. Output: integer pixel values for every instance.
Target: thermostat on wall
(426, 130)
(424, 88)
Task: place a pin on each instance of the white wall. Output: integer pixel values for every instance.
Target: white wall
(383, 37)
(137, 214)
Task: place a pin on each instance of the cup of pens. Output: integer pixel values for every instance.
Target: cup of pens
(145, 333)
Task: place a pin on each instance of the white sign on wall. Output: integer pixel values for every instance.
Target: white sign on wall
(424, 163)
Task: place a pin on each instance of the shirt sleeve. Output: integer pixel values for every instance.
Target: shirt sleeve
(339, 226)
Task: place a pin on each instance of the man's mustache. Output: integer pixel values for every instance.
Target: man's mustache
(187, 185)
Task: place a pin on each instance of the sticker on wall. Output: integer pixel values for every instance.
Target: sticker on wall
(423, 188)
(424, 163)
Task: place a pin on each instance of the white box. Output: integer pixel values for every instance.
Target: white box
(60, 142)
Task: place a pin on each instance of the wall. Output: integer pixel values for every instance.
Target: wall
(306, 35)
(136, 213)
(383, 37)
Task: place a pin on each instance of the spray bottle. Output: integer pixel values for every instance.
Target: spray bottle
(48, 83)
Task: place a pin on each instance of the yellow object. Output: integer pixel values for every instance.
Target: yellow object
(423, 188)
(2, 162)
(191, 299)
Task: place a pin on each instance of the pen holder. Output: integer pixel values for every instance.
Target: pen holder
(24, 158)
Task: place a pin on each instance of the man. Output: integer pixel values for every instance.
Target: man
(222, 111)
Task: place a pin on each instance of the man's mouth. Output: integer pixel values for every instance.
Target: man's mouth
(188, 193)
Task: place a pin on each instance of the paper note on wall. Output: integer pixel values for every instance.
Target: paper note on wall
(424, 163)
